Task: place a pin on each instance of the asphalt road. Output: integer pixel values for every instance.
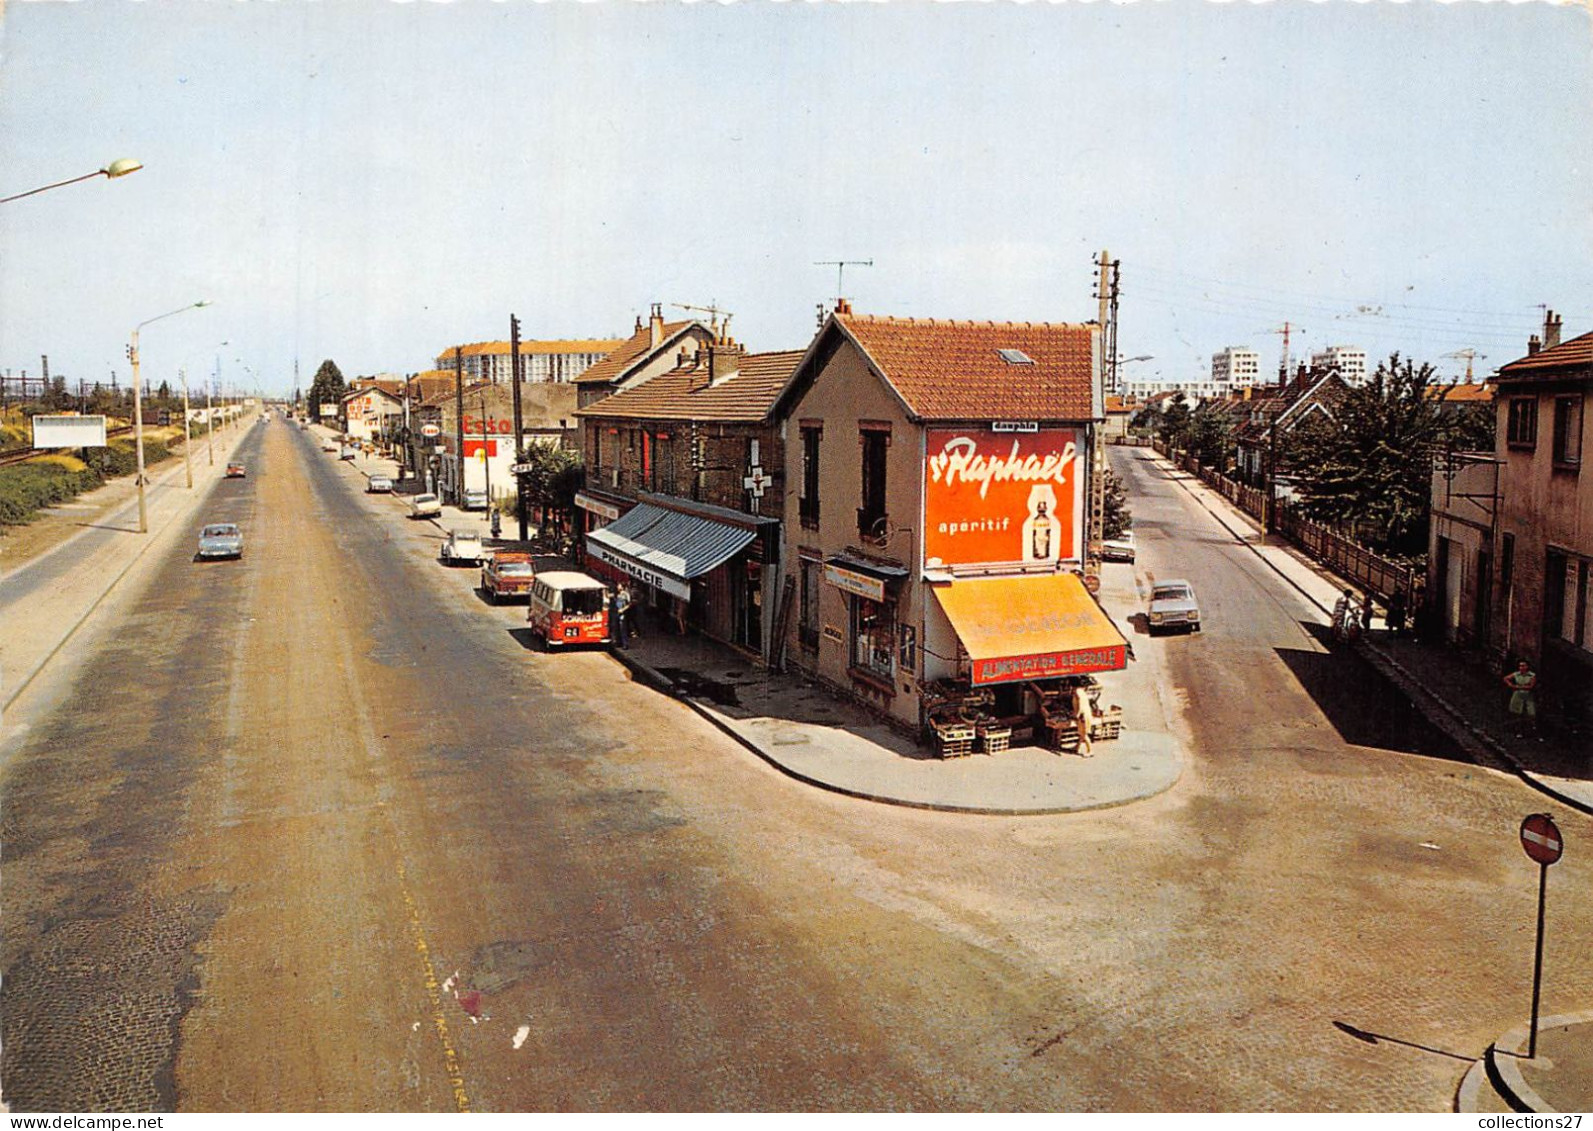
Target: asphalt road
(320, 831)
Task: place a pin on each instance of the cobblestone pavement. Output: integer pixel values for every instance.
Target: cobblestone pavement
(318, 831)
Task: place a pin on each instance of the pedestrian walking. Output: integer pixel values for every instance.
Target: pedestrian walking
(616, 616)
(497, 524)
(1084, 719)
(1395, 617)
(1344, 615)
(1523, 685)
(1366, 612)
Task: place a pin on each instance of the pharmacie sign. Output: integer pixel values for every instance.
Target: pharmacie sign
(1002, 497)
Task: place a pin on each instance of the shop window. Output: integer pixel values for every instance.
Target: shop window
(808, 620)
(809, 503)
(1522, 424)
(873, 637)
(876, 443)
(1568, 432)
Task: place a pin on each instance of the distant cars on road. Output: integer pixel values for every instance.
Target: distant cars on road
(236, 471)
(348, 453)
(220, 540)
(425, 506)
(475, 500)
(1173, 605)
(379, 485)
(328, 445)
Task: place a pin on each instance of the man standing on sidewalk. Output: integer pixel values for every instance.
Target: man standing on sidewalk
(1523, 682)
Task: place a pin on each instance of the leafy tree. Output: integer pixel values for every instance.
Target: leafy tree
(1210, 436)
(327, 388)
(1471, 429)
(1147, 421)
(1372, 465)
(556, 475)
(1116, 518)
(1174, 426)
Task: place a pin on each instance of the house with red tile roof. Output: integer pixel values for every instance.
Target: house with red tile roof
(683, 491)
(937, 487)
(1530, 577)
(650, 350)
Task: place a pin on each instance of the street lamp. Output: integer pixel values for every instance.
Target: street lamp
(138, 406)
(117, 168)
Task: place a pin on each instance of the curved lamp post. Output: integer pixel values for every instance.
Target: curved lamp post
(138, 407)
(118, 168)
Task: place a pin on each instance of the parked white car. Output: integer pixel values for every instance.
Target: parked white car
(475, 499)
(1119, 549)
(425, 506)
(379, 484)
(461, 547)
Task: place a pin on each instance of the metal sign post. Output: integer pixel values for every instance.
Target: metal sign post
(1541, 840)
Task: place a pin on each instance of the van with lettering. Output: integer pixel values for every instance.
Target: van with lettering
(568, 608)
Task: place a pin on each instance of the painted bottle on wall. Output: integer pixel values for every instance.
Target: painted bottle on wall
(1041, 531)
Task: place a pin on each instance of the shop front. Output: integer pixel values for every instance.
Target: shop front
(1027, 650)
(701, 568)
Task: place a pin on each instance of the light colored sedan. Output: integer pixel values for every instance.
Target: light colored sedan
(220, 540)
(461, 547)
(425, 506)
(1173, 605)
(379, 484)
(1119, 549)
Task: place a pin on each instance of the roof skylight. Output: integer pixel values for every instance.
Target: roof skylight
(1015, 357)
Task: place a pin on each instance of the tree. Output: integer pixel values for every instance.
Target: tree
(1372, 464)
(1174, 426)
(327, 388)
(1116, 518)
(1210, 436)
(556, 475)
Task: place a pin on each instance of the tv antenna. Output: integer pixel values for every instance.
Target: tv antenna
(840, 266)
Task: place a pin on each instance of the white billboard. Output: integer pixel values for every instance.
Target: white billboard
(68, 431)
(328, 410)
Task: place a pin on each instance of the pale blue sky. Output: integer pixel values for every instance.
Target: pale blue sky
(373, 182)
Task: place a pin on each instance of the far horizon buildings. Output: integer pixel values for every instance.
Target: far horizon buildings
(1350, 361)
(1236, 365)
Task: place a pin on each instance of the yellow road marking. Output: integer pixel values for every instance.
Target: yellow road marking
(434, 992)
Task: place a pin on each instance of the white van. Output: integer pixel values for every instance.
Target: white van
(568, 608)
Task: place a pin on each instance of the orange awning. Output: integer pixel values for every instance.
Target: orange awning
(1036, 627)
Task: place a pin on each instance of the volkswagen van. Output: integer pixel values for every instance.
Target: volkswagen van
(567, 607)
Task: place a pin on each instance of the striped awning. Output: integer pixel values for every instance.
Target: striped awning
(666, 548)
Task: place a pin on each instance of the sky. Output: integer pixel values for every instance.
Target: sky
(374, 182)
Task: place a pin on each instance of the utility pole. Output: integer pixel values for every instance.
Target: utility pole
(1106, 279)
(516, 372)
(210, 416)
(459, 424)
(188, 433)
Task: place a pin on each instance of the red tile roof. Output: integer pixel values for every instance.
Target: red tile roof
(950, 370)
(755, 381)
(1461, 393)
(635, 348)
(1574, 353)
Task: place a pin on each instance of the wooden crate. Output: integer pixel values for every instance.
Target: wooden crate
(1108, 725)
(954, 739)
(995, 740)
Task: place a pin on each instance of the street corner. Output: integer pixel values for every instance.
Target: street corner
(1557, 1077)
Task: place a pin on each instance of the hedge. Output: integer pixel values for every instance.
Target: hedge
(26, 488)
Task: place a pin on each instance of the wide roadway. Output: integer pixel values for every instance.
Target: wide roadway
(318, 830)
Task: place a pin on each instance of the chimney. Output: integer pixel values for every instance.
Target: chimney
(655, 326)
(842, 306)
(1551, 330)
(1533, 345)
(638, 329)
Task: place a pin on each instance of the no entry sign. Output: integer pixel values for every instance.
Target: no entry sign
(1541, 838)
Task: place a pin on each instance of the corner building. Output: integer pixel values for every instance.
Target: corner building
(937, 482)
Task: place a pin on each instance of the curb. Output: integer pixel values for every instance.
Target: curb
(1477, 743)
(1504, 1070)
(659, 682)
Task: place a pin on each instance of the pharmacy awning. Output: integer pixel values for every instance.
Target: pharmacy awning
(1033, 627)
(666, 548)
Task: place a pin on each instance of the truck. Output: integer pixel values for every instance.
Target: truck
(509, 573)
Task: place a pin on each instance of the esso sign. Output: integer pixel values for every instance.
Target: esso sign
(430, 430)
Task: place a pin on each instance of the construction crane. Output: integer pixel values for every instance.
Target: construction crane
(1286, 330)
(1470, 355)
(713, 311)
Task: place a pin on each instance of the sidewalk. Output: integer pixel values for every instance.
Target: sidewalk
(1460, 697)
(1558, 1079)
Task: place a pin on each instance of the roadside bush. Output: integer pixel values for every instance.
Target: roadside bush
(28, 487)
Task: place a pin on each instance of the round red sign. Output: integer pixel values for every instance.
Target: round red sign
(1541, 838)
